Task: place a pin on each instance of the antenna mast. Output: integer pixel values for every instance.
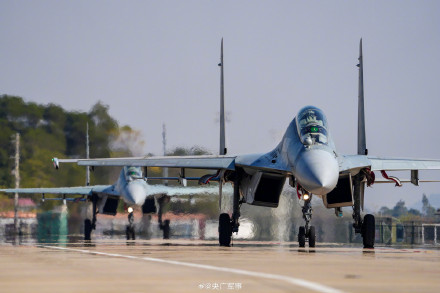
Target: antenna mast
(164, 142)
(87, 155)
(17, 180)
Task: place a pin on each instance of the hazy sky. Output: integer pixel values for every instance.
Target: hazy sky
(156, 61)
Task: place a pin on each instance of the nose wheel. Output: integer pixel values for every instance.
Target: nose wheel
(87, 229)
(166, 229)
(305, 235)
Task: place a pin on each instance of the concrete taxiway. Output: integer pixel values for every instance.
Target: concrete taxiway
(202, 266)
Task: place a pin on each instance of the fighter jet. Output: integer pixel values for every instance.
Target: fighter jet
(307, 156)
(131, 186)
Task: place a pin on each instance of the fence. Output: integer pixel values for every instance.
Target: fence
(430, 230)
(392, 231)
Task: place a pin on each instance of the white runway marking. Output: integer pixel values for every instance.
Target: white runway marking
(298, 282)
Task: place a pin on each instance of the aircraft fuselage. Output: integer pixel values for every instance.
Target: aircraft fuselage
(314, 165)
(132, 186)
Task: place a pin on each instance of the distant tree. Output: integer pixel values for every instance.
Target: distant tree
(50, 131)
(193, 151)
(427, 209)
(104, 130)
(399, 209)
(55, 117)
(385, 211)
(199, 151)
(128, 142)
(75, 134)
(414, 212)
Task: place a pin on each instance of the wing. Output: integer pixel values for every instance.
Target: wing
(268, 162)
(356, 163)
(79, 190)
(353, 162)
(263, 162)
(195, 162)
(399, 164)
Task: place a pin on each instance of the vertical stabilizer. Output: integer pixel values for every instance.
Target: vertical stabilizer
(362, 144)
(87, 155)
(223, 149)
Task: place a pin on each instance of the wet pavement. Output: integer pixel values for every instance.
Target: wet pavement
(202, 266)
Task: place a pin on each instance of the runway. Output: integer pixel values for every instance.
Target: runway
(202, 266)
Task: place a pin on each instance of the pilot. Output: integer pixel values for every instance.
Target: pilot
(311, 117)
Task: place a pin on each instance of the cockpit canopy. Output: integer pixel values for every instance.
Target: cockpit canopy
(312, 126)
(133, 173)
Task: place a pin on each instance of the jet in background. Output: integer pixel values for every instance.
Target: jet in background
(306, 156)
(131, 187)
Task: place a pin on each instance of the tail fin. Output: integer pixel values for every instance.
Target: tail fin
(362, 144)
(223, 149)
(87, 156)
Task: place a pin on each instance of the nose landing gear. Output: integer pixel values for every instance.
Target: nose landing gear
(307, 233)
(164, 225)
(90, 225)
(129, 231)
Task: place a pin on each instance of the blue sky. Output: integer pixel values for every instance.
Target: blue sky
(155, 62)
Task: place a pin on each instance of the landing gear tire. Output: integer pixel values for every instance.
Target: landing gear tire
(224, 230)
(129, 232)
(87, 229)
(368, 231)
(312, 236)
(302, 236)
(166, 229)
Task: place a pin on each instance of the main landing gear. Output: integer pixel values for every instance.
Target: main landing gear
(90, 225)
(224, 230)
(228, 225)
(368, 231)
(307, 233)
(367, 226)
(129, 231)
(163, 225)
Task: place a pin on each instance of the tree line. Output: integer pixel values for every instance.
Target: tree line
(49, 131)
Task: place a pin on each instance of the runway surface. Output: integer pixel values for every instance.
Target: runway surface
(202, 266)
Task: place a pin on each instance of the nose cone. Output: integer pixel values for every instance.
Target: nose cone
(317, 171)
(135, 193)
